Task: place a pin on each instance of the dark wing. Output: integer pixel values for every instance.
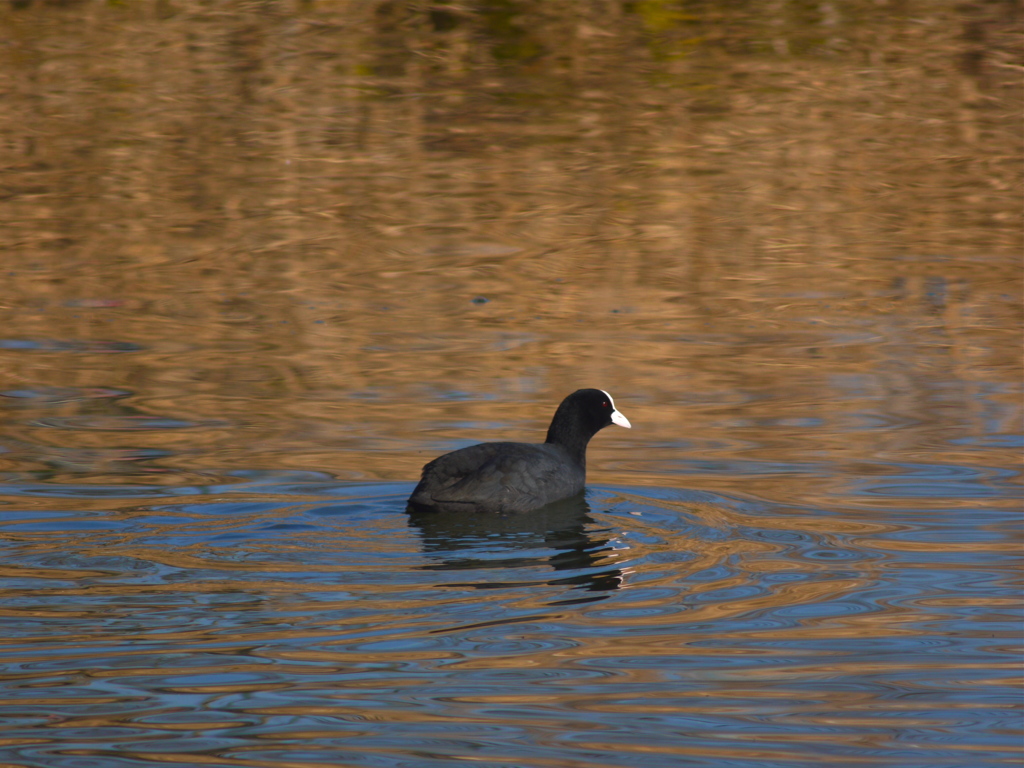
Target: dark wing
(504, 477)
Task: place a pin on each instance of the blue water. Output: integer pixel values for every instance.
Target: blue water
(287, 618)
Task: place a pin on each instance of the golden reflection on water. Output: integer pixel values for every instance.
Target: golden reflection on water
(344, 236)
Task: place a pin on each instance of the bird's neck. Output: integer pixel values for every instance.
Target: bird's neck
(572, 440)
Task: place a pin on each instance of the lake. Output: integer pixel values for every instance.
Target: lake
(262, 260)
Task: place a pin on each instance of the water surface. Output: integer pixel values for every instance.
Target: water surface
(261, 261)
(277, 618)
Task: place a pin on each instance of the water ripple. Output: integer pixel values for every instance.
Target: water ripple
(246, 619)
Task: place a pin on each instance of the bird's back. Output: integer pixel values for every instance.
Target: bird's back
(500, 477)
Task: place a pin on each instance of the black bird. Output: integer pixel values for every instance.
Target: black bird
(519, 477)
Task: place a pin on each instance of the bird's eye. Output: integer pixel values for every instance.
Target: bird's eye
(604, 404)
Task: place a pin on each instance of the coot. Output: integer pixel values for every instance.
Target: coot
(519, 477)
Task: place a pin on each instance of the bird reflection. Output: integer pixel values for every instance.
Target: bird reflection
(459, 541)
